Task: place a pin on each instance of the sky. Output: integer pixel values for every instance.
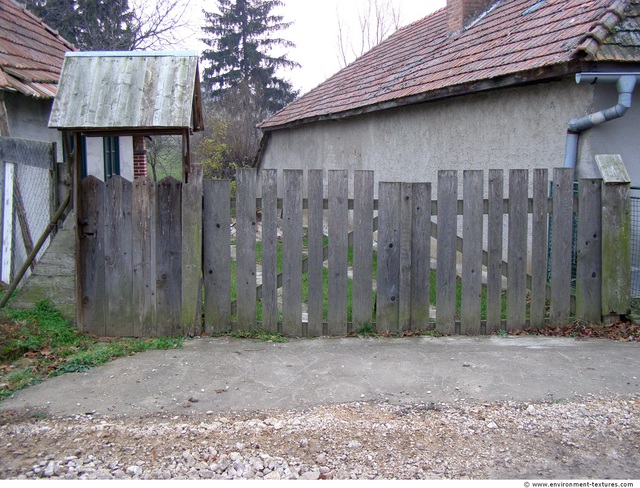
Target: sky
(315, 32)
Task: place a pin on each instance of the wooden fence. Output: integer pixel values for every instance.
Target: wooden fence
(172, 265)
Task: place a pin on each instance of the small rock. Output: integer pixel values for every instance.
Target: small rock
(531, 410)
(492, 425)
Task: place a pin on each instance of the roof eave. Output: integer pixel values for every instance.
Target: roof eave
(548, 73)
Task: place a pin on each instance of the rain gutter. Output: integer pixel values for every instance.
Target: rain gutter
(625, 84)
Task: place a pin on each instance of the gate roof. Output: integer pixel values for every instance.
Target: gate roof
(128, 91)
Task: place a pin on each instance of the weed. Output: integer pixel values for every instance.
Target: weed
(259, 335)
(503, 333)
(366, 330)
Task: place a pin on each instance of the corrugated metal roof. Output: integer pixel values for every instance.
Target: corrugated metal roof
(31, 53)
(126, 90)
(510, 39)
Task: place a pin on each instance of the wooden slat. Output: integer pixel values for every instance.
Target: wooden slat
(404, 281)
(539, 248)
(388, 257)
(495, 223)
(118, 273)
(143, 218)
(338, 252)
(589, 252)
(217, 255)
(315, 259)
(269, 249)
(292, 254)
(192, 252)
(420, 255)
(91, 256)
(446, 253)
(616, 236)
(362, 249)
(561, 246)
(517, 248)
(7, 226)
(2, 218)
(168, 257)
(246, 248)
(27, 152)
(470, 313)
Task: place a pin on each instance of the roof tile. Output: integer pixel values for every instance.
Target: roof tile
(510, 38)
(31, 53)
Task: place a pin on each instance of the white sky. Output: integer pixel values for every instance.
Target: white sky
(315, 32)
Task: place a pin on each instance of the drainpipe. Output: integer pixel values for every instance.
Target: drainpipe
(625, 84)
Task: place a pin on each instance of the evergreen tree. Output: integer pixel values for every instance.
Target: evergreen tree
(241, 58)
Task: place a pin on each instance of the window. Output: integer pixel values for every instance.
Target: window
(111, 150)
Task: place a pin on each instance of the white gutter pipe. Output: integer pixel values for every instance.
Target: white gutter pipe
(625, 84)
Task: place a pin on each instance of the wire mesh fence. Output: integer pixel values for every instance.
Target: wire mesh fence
(635, 242)
(28, 192)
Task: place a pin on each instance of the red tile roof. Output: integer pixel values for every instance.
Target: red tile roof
(514, 40)
(31, 53)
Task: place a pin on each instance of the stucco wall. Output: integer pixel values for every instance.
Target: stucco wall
(522, 127)
(95, 157)
(29, 119)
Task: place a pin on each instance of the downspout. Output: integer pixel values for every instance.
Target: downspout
(625, 84)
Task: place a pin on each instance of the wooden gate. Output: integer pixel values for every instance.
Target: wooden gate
(140, 256)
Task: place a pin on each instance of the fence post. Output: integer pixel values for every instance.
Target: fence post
(616, 237)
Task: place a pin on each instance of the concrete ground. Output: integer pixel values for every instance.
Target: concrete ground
(225, 374)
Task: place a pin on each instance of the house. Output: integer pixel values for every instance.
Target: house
(476, 85)
(31, 55)
(32, 183)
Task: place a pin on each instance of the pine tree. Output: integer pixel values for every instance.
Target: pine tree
(241, 58)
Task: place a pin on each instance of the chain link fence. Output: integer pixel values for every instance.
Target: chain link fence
(635, 243)
(28, 184)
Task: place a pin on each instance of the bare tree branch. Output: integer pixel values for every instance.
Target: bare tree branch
(377, 20)
(161, 24)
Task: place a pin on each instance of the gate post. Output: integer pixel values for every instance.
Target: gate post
(616, 237)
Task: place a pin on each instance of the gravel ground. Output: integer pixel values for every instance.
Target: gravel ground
(596, 438)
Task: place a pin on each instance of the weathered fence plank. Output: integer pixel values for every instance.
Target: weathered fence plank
(388, 257)
(420, 255)
(589, 248)
(292, 254)
(91, 256)
(192, 252)
(616, 233)
(446, 268)
(539, 248)
(168, 257)
(143, 215)
(495, 222)
(561, 246)
(118, 277)
(246, 248)
(404, 280)
(517, 250)
(470, 312)
(270, 250)
(338, 251)
(217, 255)
(315, 260)
(362, 249)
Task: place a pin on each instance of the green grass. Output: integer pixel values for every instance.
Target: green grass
(38, 343)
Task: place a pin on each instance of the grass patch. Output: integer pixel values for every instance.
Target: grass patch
(38, 343)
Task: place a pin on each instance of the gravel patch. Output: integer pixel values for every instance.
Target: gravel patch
(594, 437)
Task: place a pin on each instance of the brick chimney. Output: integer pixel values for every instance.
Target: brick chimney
(139, 157)
(460, 12)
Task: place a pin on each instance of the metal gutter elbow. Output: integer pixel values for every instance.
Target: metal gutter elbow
(625, 84)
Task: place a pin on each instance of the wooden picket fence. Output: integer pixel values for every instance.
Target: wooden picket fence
(169, 266)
